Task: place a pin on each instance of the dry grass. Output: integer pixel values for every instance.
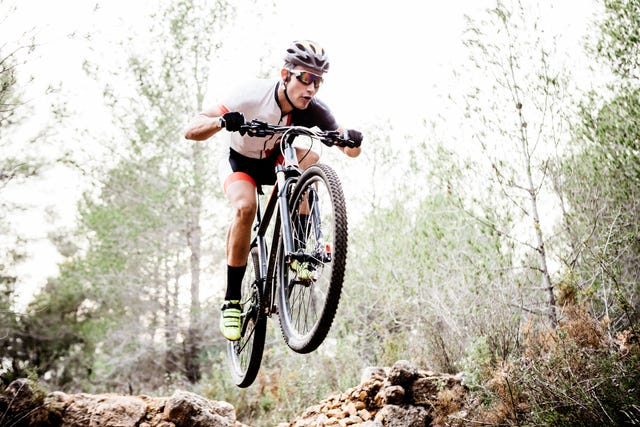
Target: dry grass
(574, 375)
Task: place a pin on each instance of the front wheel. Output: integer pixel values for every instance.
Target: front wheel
(310, 280)
(245, 355)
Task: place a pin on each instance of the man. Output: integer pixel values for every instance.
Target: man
(251, 161)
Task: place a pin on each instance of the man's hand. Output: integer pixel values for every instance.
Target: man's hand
(232, 121)
(353, 136)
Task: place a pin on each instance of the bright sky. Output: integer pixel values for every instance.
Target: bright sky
(389, 60)
(387, 57)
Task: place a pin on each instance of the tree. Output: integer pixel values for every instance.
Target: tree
(154, 196)
(20, 162)
(523, 116)
(619, 37)
(603, 172)
(124, 316)
(12, 166)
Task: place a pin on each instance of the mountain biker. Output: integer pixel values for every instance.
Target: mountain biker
(251, 161)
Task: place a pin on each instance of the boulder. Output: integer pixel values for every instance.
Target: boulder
(24, 406)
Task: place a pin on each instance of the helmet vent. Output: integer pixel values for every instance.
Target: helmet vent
(309, 54)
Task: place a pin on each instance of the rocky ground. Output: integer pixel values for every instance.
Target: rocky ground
(400, 396)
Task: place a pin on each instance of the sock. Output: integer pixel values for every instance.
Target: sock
(234, 282)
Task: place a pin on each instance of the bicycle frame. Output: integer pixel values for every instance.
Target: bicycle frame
(286, 174)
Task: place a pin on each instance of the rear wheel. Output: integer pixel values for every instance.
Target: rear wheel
(310, 280)
(245, 355)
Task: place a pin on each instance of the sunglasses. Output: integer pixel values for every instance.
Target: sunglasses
(306, 78)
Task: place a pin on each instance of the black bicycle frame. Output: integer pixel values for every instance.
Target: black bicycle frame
(285, 175)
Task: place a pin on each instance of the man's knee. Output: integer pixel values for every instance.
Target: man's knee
(309, 158)
(242, 196)
(245, 210)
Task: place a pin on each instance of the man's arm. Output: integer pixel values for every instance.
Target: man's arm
(205, 124)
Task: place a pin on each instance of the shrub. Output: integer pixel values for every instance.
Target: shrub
(578, 375)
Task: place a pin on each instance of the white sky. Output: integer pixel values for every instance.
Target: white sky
(389, 60)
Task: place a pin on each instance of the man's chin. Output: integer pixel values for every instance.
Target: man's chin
(303, 105)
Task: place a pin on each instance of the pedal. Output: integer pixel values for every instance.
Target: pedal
(302, 270)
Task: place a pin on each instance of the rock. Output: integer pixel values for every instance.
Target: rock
(400, 396)
(94, 410)
(425, 389)
(403, 416)
(402, 373)
(187, 409)
(23, 407)
(391, 395)
(372, 373)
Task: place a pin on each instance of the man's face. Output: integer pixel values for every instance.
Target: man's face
(303, 85)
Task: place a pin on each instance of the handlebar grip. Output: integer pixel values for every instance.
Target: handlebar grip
(335, 138)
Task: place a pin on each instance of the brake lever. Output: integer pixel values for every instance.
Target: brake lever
(255, 128)
(335, 138)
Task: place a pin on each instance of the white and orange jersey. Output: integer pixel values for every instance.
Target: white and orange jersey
(258, 100)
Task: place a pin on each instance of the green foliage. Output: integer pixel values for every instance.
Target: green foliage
(521, 117)
(8, 98)
(113, 316)
(144, 229)
(603, 172)
(47, 338)
(477, 362)
(13, 55)
(21, 161)
(425, 275)
(619, 37)
(8, 327)
(16, 163)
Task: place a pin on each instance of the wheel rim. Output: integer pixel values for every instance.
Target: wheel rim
(306, 298)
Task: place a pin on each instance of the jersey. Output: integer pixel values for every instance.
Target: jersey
(258, 100)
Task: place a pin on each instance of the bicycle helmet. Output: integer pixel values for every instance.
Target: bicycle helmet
(308, 54)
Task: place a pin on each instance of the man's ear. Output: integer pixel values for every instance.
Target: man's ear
(284, 73)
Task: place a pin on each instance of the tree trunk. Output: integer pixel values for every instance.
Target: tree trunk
(171, 361)
(194, 236)
(535, 216)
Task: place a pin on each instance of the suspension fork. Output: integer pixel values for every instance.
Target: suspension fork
(283, 204)
(285, 176)
(314, 211)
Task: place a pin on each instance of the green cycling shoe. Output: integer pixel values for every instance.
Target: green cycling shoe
(230, 320)
(303, 271)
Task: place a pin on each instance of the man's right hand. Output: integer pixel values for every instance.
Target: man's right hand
(232, 121)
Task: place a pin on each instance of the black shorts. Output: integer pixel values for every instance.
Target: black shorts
(258, 171)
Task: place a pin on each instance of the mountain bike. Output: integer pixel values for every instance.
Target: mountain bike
(299, 276)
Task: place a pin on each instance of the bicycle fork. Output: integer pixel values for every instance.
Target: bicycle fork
(314, 206)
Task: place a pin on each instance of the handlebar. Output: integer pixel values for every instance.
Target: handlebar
(330, 138)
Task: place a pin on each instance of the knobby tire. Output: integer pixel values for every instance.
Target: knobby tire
(307, 307)
(245, 355)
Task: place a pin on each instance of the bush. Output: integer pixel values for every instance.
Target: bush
(578, 375)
